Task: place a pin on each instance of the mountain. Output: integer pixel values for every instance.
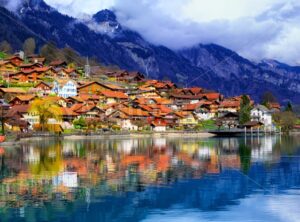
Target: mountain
(102, 36)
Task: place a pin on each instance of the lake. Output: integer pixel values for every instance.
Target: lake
(152, 179)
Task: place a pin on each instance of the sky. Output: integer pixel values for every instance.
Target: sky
(256, 29)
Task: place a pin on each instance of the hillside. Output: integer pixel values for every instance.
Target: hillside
(102, 36)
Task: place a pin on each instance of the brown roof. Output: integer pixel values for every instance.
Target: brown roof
(21, 109)
(57, 63)
(12, 90)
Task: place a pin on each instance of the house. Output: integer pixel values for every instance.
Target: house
(159, 125)
(65, 88)
(96, 88)
(17, 60)
(43, 88)
(7, 67)
(31, 76)
(22, 100)
(36, 59)
(228, 106)
(22, 112)
(112, 96)
(10, 93)
(88, 111)
(261, 114)
(29, 66)
(58, 64)
(253, 125)
(188, 120)
(212, 96)
(72, 73)
(201, 110)
(229, 120)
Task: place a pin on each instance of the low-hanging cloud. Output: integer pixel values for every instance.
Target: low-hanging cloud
(256, 29)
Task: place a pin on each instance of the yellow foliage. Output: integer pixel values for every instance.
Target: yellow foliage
(45, 109)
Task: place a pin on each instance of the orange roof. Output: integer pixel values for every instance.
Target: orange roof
(212, 96)
(134, 112)
(68, 112)
(113, 94)
(42, 69)
(162, 108)
(230, 104)
(192, 107)
(25, 97)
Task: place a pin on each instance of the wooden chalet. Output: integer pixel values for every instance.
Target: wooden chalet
(97, 87)
(22, 100)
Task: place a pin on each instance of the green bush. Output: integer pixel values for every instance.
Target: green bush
(79, 123)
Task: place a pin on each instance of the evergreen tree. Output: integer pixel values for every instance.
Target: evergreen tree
(245, 108)
(289, 107)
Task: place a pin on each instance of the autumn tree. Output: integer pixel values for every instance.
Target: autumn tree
(286, 120)
(29, 46)
(268, 98)
(245, 108)
(50, 51)
(5, 47)
(46, 109)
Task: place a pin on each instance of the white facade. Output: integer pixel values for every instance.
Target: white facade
(159, 128)
(262, 114)
(66, 90)
(127, 125)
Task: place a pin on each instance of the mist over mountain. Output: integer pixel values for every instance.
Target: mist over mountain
(102, 36)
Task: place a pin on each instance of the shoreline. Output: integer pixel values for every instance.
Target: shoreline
(133, 135)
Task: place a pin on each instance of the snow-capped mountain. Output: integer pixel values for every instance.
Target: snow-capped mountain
(103, 37)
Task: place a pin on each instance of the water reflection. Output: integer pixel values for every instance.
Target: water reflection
(128, 179)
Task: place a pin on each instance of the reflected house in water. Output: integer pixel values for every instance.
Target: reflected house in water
(75, 170)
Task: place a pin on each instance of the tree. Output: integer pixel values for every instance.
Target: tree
(50, 51)
(79, 123)
(29, 46)
(245, 108)
(289, 107)
(268, 98)
(46, 109)
(286, 120)
(5, 47)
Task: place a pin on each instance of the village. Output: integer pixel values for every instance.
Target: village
(38, 95)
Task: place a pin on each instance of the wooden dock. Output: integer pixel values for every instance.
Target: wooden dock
(243, 132)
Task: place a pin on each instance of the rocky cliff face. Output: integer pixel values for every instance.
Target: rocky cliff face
(102, 36)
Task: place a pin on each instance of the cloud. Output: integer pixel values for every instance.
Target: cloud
(11, 4)
(256, 29)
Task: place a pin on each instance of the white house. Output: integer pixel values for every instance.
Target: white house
(65, 88)
(262, 114)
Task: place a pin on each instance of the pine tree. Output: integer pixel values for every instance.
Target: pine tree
(245, 108)
(289, 107)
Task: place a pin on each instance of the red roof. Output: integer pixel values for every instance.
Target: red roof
(159, 122)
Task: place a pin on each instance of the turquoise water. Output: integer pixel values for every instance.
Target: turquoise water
(161, 179)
